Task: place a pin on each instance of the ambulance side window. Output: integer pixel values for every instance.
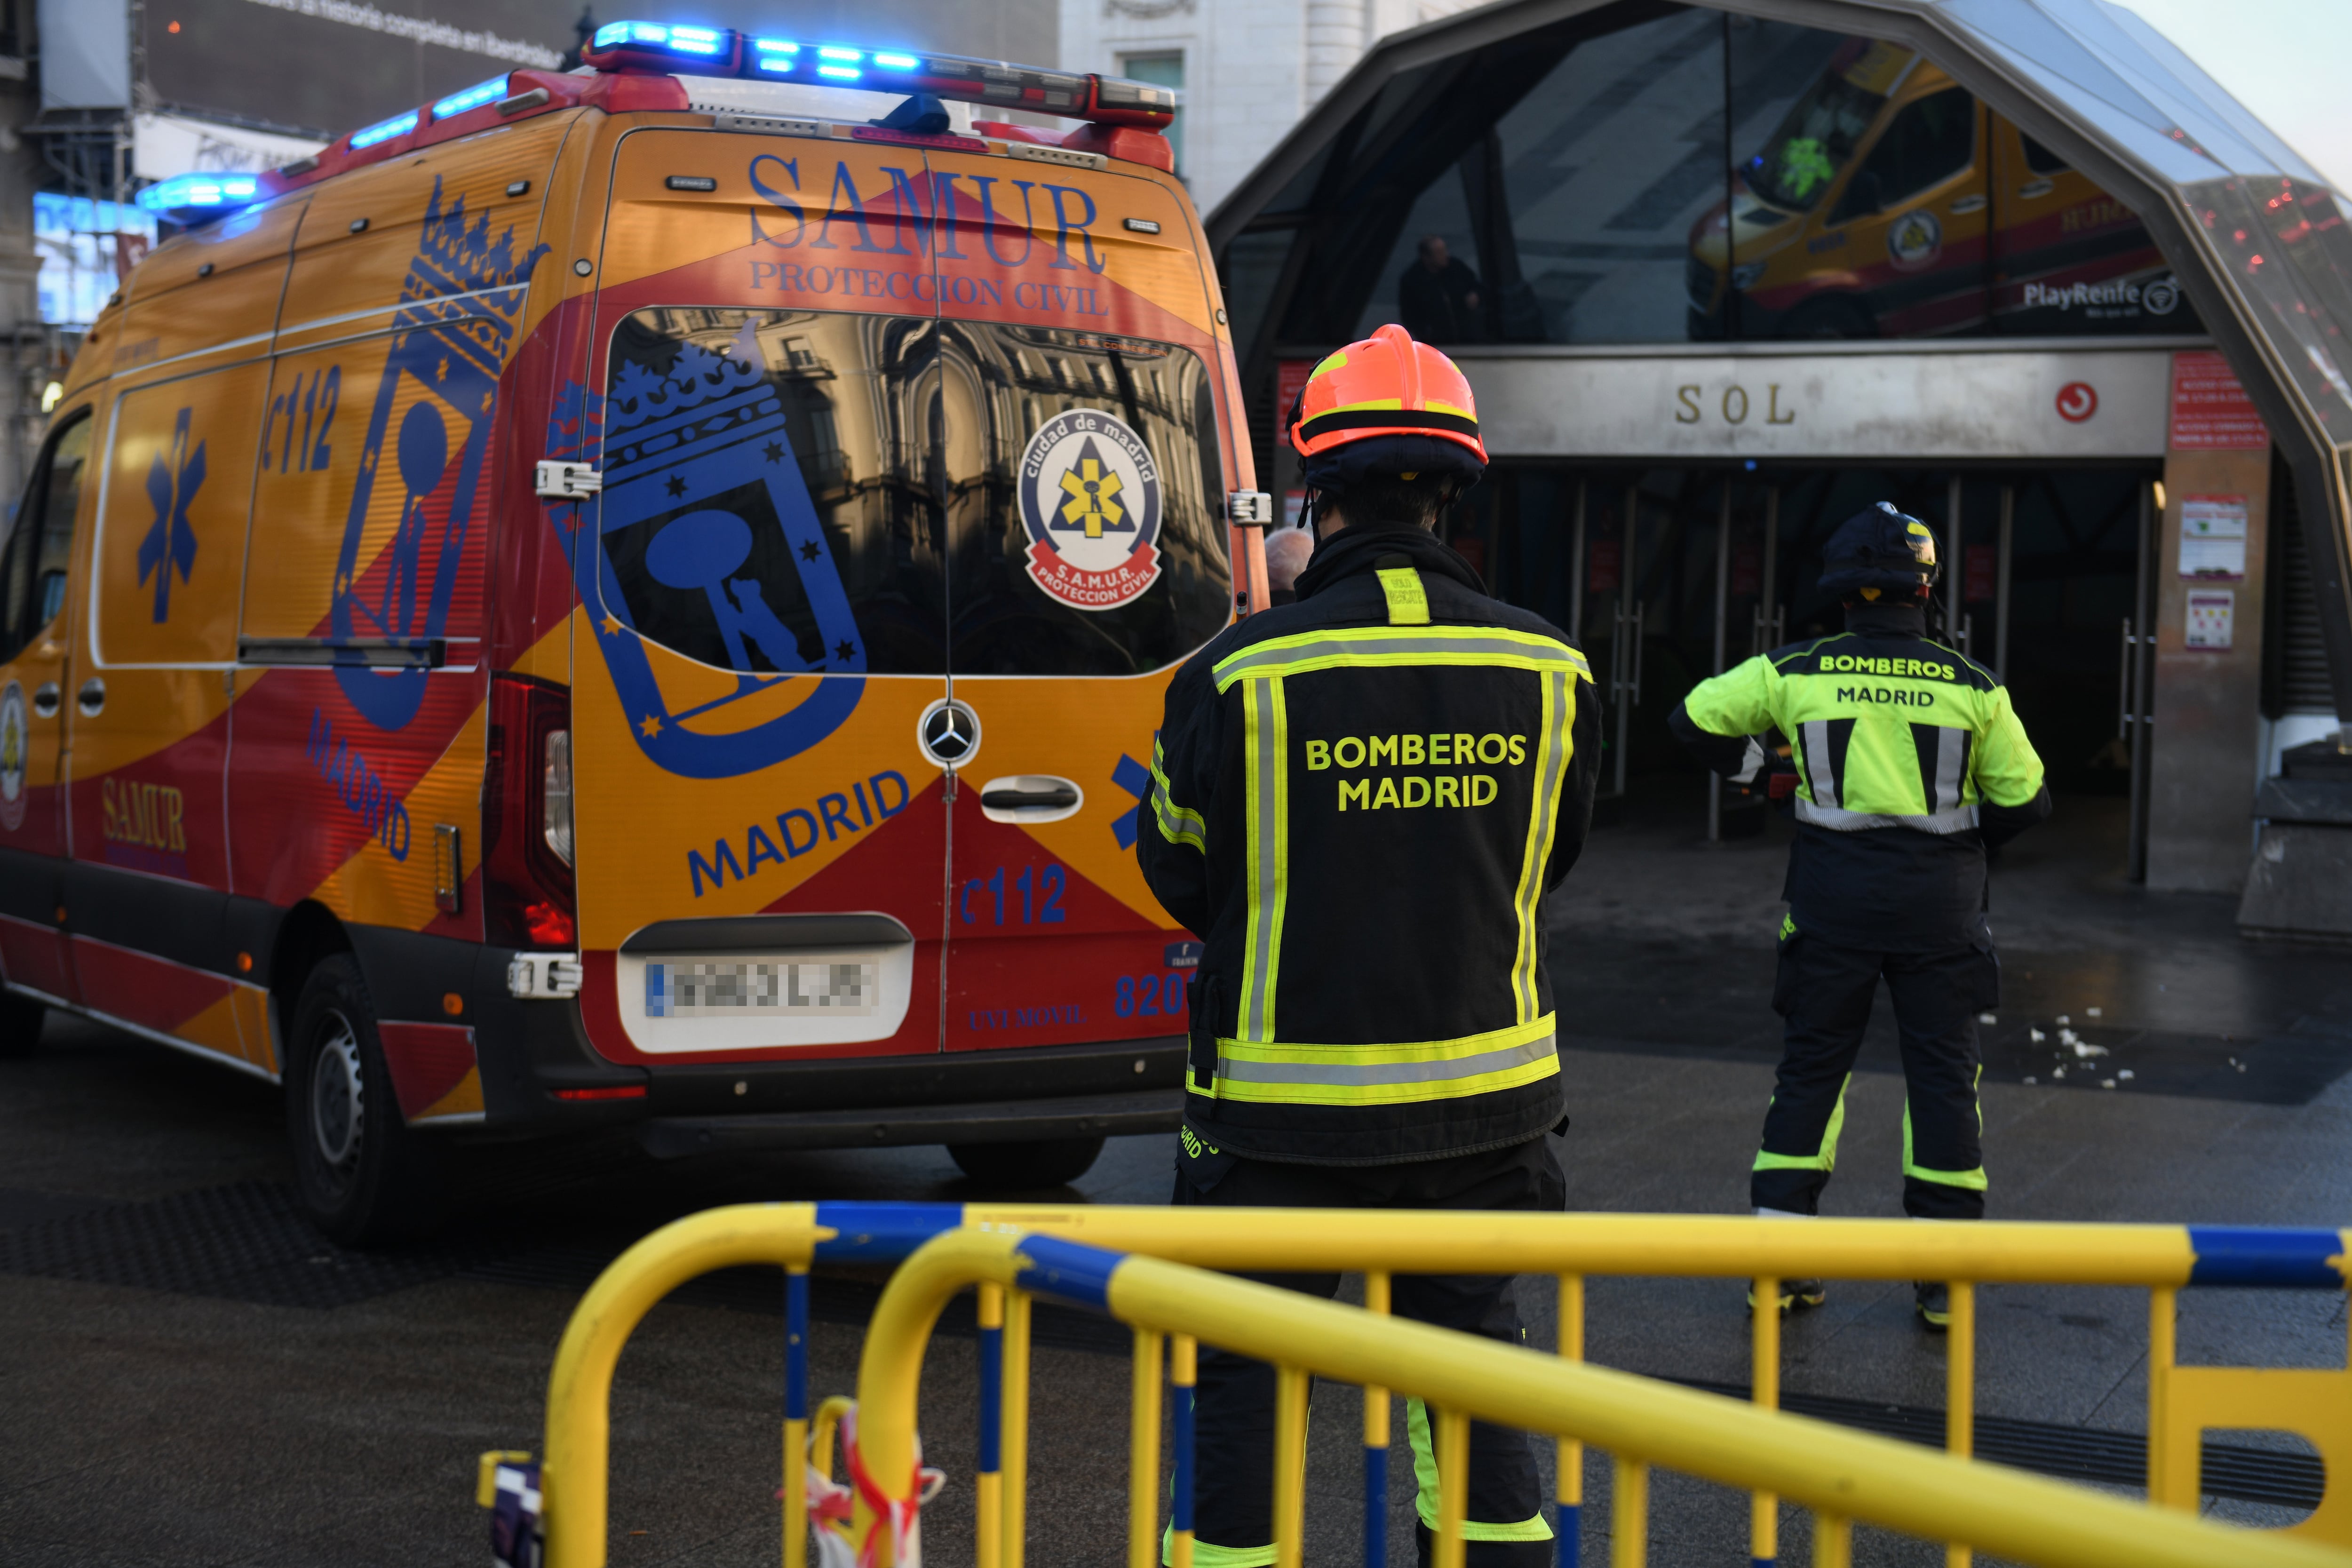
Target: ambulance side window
(40, 546)
(766, 509)
(1084, 487)
(2040, 158)
(1927, 143)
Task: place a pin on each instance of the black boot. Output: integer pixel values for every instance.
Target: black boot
(1932, 1300)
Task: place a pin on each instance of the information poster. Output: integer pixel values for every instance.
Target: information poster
(2211, 613)
(2213, 538)
(2210, 411)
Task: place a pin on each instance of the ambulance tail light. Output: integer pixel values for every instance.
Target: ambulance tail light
(555, 795)
(528, 898)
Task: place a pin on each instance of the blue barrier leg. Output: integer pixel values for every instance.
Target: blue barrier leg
(1571, 1535)
(1376, 1507)
(796, 1318)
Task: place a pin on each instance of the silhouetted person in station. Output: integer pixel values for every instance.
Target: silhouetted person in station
(1438, 297)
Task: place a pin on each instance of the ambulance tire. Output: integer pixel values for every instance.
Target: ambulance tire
(20, 1023)
(1046, 1163)
(363, 1179)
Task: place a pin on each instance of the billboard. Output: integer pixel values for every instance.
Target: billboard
(86, 248)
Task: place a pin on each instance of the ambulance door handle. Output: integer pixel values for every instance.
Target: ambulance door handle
(1061, 793)
(2034, 189)
(45, 699)
(91, 698)
(1968, 205)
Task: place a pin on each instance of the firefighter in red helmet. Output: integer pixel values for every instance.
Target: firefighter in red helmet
(1359, 801)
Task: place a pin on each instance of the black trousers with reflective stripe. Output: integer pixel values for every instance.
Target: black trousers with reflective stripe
(1825, 992)
(1233, 1401)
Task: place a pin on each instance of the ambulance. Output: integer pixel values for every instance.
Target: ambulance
(1891, 202)
(637, 595)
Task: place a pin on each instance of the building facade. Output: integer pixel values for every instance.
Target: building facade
(1246, 70)
(1721, 274)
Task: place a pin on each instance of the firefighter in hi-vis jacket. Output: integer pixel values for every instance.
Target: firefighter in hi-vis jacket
(1911, 764)
(1361, 801)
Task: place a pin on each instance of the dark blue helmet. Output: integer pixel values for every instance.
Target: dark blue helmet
(1881, 548)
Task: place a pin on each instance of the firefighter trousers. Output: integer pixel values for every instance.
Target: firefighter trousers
(1825, 992)
(1233, 1485)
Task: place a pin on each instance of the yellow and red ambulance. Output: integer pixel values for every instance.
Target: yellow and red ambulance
(1890, 202)
(639, 594)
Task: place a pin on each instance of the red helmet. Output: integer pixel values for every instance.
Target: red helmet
(1387, 407)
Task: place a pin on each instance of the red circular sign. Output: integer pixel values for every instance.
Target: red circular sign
(2077, 401)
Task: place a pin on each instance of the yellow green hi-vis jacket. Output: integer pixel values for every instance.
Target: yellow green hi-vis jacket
(1910, 764)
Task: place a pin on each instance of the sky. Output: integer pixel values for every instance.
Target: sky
(2240, 44)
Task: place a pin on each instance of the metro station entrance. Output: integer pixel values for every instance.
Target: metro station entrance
(1668, 573)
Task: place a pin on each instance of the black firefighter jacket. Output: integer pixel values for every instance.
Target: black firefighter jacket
(1359, 802)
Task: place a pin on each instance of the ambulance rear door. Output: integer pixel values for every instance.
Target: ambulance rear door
(762, 847)
(37, 564)
(1084, 471)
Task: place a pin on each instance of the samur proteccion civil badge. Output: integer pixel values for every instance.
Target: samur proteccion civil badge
(16, 747)
(1091, 500)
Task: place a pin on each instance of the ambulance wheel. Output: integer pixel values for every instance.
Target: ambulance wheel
(362, 1177)
(20, 1023)
(1048, 1163)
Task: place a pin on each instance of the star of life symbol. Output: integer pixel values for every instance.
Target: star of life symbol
(172, 485)
(16, 744)
(1093, 491)
(1091, 500)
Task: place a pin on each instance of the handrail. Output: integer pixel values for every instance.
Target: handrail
(1839, 1473)
(1732, 1245)
(574, 1474)
(574, 1477)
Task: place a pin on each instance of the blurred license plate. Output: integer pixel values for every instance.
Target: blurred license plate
(832, 988)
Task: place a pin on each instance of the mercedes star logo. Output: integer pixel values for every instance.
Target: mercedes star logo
(949, 734)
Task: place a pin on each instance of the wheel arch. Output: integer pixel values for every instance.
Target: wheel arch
(308, 933)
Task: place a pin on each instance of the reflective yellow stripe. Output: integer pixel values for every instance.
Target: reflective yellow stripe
(1266, 762)
(1177, 825)
(1552, 747)
(1424, 1475)
(1408, 599)
(1825, 1157)
(1974, 1181)
(1370, 647)
(1289, 1072)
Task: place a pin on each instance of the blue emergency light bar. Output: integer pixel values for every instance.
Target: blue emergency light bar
(199, 196)
(474, 96)
(723, 51)
(385, 131)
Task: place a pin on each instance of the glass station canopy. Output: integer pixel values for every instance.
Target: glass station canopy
(1628, 172)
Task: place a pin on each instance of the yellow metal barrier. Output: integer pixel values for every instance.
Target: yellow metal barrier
(2183, 1402)
(1840, 1474)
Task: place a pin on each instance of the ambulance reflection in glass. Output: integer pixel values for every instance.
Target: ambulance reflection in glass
(1890, 202)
